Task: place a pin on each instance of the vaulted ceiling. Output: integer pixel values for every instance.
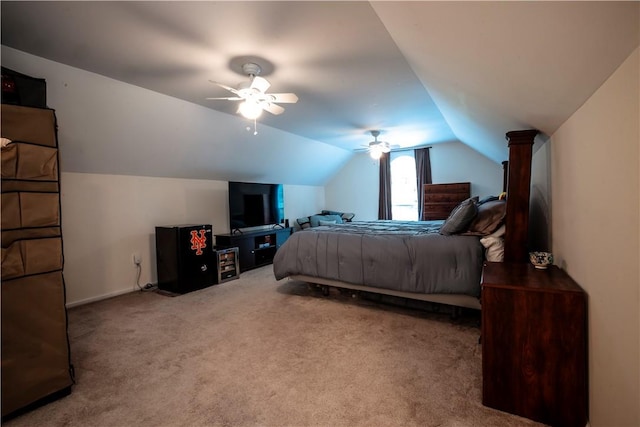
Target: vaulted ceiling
(421, 72)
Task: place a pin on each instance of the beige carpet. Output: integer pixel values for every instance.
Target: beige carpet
(256, 352)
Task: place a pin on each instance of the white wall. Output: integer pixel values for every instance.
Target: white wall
(105, 126)
(108, 218)
(301, 201)
(109, 127)
(540, 201)
(596, 228)
(355, 187)
(457, 162)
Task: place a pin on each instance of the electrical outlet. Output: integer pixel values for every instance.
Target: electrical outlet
(137, 259)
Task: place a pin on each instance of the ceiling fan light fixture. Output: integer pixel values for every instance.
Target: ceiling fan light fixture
(376, 152)
(250, 109)
(253, 96)
(378, 148)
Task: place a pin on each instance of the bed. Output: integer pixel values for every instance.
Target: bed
(409, 259)
(412, 259)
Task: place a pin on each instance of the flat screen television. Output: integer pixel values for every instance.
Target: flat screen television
(253, 204)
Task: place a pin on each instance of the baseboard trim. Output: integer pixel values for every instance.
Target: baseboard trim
(98, 298)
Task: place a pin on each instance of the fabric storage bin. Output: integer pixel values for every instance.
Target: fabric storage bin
(21, 209)
(34, 125)
(35, 351)
(29, 162)
(9, 186)
(34, 256)
(10, 236)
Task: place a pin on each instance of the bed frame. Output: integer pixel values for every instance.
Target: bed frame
(517, 182)
(456, 300)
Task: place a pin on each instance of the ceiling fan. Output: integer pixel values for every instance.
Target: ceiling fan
(377, 148)
(254, 96)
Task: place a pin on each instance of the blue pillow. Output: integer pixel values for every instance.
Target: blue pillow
(336, 218)
(315, 219)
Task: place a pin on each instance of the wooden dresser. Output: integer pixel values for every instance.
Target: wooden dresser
(440, 199)
(534, 343)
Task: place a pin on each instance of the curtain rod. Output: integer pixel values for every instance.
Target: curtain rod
(412, 148)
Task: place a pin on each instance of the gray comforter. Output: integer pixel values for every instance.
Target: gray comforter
(407, 256)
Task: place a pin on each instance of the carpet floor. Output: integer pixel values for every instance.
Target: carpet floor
(261, 352)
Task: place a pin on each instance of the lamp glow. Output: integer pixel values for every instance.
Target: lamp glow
(375, 153)
(250, 109)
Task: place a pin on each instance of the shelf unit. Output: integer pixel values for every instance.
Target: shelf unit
(36, 363)
(255, 248)
(227, 264)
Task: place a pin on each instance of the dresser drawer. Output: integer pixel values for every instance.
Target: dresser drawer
(444, 197)
(455, 188)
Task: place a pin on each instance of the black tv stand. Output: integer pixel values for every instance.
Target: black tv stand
(255, 248)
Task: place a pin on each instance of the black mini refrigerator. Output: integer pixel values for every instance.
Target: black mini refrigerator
(185, 257)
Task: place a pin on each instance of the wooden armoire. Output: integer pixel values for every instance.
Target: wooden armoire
(36, 365)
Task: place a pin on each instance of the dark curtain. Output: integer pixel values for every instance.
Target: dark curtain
(423, 174)
(384, 200)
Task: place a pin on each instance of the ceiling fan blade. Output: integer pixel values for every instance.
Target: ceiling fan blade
(229, 98)
(229, 88)
(285, 98)
(260, 84)
(272, 108)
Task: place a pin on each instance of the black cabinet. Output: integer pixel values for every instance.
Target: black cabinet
(255, 248)
(186, 260)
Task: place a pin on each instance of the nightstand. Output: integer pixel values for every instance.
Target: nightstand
(534, 343)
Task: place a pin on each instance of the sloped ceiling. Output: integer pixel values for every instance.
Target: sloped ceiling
(421, 72)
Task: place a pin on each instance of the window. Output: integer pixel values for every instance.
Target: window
(404, 195)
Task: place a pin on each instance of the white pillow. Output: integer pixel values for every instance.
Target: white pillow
(495, 248)
(321, 222)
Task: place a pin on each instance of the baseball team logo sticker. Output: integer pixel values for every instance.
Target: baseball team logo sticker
(198, 241)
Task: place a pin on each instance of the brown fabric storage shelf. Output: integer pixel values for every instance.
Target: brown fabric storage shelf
(36, 364)
(30, 162)
(33, 256)
(28, 210)
(26, 124)
(35, 351)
